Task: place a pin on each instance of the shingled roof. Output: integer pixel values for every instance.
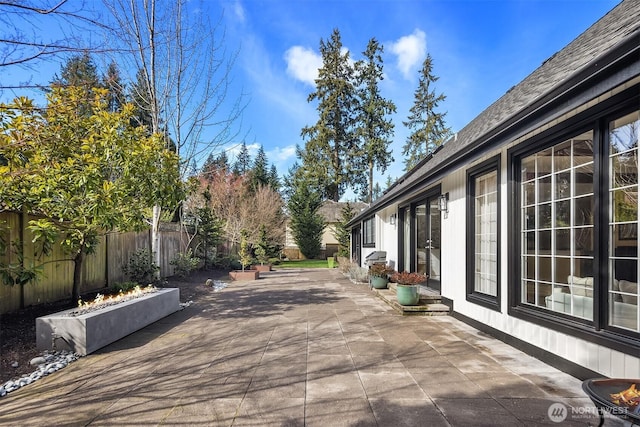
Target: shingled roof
(581, 59)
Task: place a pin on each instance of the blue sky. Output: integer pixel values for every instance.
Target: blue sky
(480, 49)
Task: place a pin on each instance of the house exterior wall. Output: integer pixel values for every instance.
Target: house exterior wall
(590, 354)
(539, 245)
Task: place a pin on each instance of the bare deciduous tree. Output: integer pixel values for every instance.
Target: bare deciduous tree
(185, 68)
(36, 31)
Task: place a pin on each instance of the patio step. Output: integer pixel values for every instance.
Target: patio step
(430, 303)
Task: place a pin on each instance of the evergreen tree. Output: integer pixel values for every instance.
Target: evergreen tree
(222, 161)
(274, 180)
(79, 71)
(210, 230)
(307, 225)
(139, 96)
(112, 82)
(259, 173)
(429, 130)
(214, 165)
(342, 233)
(374, 127)
(390, 181)
(209, 166)
(243, 161)
(330, 153)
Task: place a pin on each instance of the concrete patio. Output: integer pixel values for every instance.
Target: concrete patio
(301, 348)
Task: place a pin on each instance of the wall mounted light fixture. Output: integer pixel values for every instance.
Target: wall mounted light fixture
(392, 219)
(443, 202)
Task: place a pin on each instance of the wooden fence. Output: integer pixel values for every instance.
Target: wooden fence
(101, 269)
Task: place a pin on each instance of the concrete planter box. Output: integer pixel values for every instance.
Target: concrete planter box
(244, 275)
(89, 332)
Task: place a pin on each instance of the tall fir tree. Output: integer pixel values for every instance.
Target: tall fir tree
(259, 172)
(113, 83)
(429, 130)
(274, 180)
(79, 71)
(209, 166)
(374, 126)
(330, 152)
(307, 225)
(139, 96)
(213, 165)
(222, 161)
(242, 165)
(342, 233)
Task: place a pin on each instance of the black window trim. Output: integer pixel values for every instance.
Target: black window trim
(485, 300)
(597, 119)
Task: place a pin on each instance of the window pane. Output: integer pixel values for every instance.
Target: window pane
(623, 229)
(583, 181)
(528, 167)
(563, 185)
(544, 215)
(584, 209)
(583, 149)
(529, 192)
(562, 156)
(563, 214)
(544, 189)
(624, 169)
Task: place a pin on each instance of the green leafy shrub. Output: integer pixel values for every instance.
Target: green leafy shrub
(184, 263)
(122, 287)
(141, 269)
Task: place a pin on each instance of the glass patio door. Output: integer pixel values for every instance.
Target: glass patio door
(427, 249)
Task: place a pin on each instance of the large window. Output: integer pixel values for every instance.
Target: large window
(369, 232)
(623, 222)
(556, 210)
(483, 229)
(577, 229)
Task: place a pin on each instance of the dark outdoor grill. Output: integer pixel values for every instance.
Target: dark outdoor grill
(600, 391)
(376, 257)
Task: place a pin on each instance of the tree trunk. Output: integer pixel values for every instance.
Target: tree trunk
(155, 238)
(77, 275)
(370, 182)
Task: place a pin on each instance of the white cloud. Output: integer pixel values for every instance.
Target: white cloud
(303, 64)
(238, 10)
(281, 155)
(411, 51)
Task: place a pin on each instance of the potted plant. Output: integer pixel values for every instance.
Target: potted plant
(407, 287)
(379, 275)
(245, 260)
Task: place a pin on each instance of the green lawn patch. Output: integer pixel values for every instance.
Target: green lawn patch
(303, 263)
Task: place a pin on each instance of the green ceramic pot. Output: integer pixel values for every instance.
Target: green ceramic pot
(407, 294)
(379, 282)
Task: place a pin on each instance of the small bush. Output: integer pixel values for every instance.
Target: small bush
(274, 261)
(141, 269)
(122, 287)
(358, 274)
(184, 263)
